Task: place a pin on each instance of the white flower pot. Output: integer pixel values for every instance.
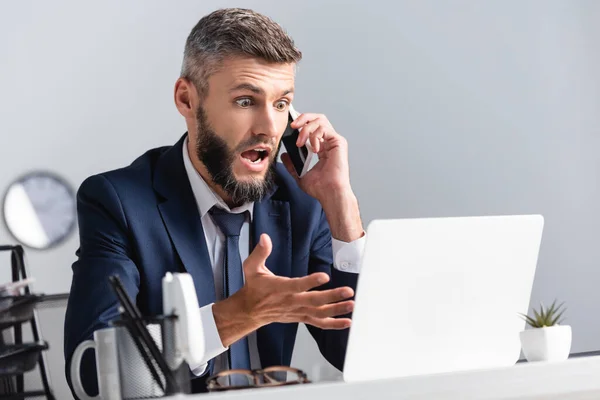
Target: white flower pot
(552, 343)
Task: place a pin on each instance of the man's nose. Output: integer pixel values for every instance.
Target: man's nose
(268, 123)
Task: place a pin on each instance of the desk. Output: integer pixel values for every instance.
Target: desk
(576, 378)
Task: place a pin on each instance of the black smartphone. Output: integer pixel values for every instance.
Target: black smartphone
(300, 156)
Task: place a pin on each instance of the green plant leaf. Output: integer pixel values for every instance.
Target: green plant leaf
(529, 320)
(545, 316)
(557, 319)
(551, 310)
(537, 315)
(560, 306)
(542, 309)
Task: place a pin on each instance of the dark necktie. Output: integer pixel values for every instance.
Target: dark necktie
(233, 275)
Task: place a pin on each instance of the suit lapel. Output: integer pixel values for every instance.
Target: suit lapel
(273, 218)
(181, 217)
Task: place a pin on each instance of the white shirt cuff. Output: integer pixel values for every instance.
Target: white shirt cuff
(347, 255)
(212, 339)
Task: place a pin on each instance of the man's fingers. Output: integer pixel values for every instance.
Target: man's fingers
(316, 138)
(334, 310)
(307, 132)
(299, 285)
(303, 119)
(259, 255)
(329, 323)
(320, 298)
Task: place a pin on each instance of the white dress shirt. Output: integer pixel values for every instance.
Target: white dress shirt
(346, 258)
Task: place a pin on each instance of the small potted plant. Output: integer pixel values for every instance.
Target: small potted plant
(547, 340)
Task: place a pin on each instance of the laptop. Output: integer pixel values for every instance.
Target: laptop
(438, 295)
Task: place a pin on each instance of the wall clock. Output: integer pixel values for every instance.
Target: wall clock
(39, 210)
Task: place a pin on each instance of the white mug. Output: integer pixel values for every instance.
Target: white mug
(121, 370)
(107, 367)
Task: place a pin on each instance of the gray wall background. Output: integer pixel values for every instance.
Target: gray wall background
(450, 108)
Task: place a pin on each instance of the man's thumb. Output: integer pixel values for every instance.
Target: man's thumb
(259, 255)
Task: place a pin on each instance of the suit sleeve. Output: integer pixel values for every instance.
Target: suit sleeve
(104, 251)
(331, 343)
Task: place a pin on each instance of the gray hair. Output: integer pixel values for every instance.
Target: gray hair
(230, 32)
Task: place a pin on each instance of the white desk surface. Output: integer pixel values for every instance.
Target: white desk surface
(576, 378)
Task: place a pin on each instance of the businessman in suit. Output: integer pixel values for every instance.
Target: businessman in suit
(265, 248)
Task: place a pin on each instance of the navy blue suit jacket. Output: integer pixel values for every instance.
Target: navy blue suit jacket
(142, 221)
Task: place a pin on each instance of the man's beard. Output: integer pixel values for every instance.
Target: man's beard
(218, 159)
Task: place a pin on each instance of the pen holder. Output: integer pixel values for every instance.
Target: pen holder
(122, 371)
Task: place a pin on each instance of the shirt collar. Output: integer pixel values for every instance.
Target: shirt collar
(205, 197)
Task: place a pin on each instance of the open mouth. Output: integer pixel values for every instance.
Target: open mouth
(255, 156)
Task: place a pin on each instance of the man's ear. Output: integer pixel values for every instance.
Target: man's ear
(186, 98)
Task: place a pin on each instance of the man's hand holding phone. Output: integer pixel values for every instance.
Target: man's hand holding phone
(329, 179)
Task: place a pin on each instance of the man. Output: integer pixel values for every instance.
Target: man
(218, 198)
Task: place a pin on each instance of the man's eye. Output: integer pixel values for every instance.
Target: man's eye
(244, 102)
(281, 105)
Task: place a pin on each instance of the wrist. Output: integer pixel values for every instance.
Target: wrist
(343, 215)
(233, 320)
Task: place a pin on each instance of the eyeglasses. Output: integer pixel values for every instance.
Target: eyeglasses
(243, 379)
